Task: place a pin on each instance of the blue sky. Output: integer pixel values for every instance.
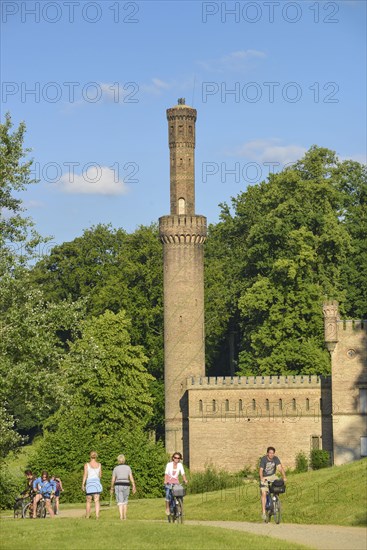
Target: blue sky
(92, 81)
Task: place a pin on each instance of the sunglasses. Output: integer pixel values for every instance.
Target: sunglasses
(177, 457)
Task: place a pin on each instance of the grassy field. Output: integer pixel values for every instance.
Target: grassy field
(332, 496)
(79, 534)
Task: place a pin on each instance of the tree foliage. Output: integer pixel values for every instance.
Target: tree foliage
(113, 270)
(107, 403)
(32, 345)
(18, 238)
(285, 249)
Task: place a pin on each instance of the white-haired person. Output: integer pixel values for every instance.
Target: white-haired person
(122, 477)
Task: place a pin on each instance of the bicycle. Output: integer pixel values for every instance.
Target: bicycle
(19, 504)
(177, 492)
(273, 506)
(27, 512)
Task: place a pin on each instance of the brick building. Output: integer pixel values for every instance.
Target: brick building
(229, 421)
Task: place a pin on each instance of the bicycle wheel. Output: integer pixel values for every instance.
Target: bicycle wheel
(27, 511)
(17, 508)
(277, 511)
(41, 509)
(179, 510)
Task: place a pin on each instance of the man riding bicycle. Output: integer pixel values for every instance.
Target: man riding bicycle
(267, 472)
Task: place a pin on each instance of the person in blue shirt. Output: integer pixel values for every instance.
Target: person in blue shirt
(45, 489)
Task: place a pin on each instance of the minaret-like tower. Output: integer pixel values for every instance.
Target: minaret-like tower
(183, 234)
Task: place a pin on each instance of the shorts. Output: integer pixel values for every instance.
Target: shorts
(264, 488)
(93, 487)
(122, 494)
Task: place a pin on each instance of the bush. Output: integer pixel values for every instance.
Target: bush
(212, 480)
(65, 458)
(319, 459)
(10, 487)
(301, 462)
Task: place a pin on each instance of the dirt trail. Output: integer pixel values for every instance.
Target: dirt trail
(320, 537)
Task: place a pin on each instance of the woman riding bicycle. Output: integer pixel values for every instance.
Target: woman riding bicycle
(45, 488)
(171, 477)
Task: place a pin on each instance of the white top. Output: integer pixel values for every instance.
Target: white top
(94, 473)
(173, 471)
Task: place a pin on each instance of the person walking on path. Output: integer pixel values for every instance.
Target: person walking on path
(121, 478)
(91, 483)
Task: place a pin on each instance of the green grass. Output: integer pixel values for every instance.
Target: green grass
(79, 534)
(17, 463)
(330, 496)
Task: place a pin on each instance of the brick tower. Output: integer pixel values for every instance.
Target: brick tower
(183, 235)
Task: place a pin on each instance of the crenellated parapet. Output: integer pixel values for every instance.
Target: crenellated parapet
(261, 382)
(351, 326)
(182, 229)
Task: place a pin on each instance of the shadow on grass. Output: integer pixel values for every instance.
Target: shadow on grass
(360, 520)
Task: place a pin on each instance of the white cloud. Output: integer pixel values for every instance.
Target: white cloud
(238, 61)
(156, 86)
(96, 180)
(269, 150)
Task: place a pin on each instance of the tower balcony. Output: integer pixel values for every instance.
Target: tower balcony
(183, 229)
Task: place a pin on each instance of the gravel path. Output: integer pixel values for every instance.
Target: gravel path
(320, 537)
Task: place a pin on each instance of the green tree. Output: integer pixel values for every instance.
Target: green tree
(107, 402)
(32, 344)
(284, 249)
(18, 238)
(115, 271)
(352, 178)
(30, 329)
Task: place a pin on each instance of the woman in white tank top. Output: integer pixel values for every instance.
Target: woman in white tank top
(92, 483)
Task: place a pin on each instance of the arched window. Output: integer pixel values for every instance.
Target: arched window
(307, 404)
(240, 405)
(280, 404)
(254, 404)
(294, 406)
(227, 405)
(214, 405)
(181, 206)
(267, 404)
(200, 405)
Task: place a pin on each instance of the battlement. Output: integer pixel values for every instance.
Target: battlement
(181, 112)
(352, 325)
(311, 381)
(182, 229)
